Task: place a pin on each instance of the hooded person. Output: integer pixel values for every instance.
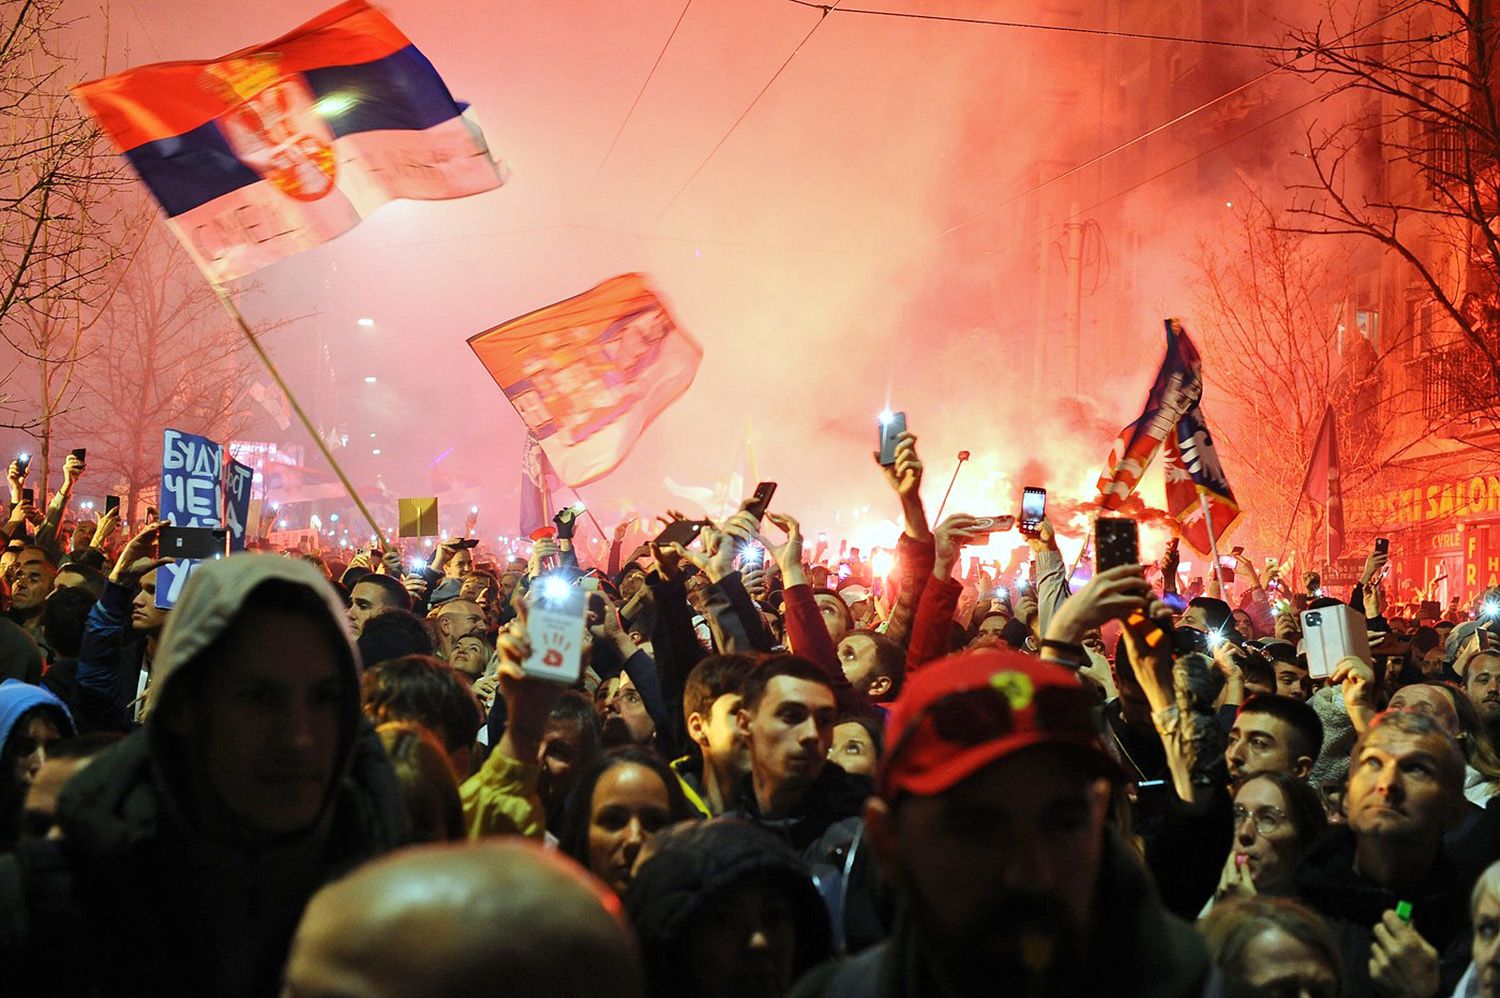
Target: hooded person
(31, 719)
(722, 907)
(253, 782)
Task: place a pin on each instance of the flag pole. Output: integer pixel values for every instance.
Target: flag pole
(588, 512)
(312, 431)
(1213, 542)
(963, 456)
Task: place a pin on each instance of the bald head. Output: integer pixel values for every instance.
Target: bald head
(491, 918)
(457, 618)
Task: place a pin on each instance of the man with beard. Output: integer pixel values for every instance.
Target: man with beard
(989, 820)
(1480, 670)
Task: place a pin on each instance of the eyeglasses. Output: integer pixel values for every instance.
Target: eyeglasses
(1267, 819)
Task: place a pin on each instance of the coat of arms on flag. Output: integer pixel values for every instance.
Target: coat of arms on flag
(276, 148)
(589, 374)
(1198, 493)
(1178, 386)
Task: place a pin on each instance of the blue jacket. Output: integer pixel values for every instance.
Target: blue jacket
(109, 663)
(16, 698)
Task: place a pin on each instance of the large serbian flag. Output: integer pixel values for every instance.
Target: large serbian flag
(1198, 493)
(1178, 386)
(589, 374)
(276, 148)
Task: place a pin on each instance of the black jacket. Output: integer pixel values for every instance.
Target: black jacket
(132, 901)
(138, 896)
(694, 867)
(827, 830)
(1327, 882)
(1137, 948)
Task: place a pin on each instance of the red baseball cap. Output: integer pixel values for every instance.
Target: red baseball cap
(960, 713)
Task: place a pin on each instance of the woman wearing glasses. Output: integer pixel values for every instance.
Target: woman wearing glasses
(1277, 818)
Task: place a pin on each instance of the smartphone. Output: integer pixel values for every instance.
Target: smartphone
(1329, 634)
(111, 504)
(993, 524)
(1236, 552)
(152, 515)
(682, 532)
(890, 433)
(28, 495)
(193, 542)
(554, 623)
(1033, 509)
(81, 453)
(756, 504)
(1116, 542)
(467, 542)
(1382, 545)
(23, 461)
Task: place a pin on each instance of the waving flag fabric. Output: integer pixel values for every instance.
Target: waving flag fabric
(538, 482)
(1178, 386)
(589, 374)
(1322, 484)
(276, 148)
(1195, 478)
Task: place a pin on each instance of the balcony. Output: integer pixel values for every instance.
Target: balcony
(1458, 385)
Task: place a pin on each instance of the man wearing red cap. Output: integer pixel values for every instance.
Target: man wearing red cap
(989, 819)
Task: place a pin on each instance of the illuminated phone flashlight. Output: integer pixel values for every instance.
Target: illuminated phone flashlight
(885, 417)
(417, 564)
(1215, 640)
(555, 589)
(1491, 608)
(752, 555)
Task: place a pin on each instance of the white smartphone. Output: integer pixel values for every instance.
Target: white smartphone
(554, 623)
(1331, 633)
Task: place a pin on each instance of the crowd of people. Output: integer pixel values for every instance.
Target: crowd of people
(777, 775)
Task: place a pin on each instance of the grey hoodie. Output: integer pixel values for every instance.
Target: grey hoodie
(135, 870)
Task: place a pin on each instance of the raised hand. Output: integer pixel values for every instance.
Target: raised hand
(788, 554)
(1356, 681)
(950, 537)
(905, 475)
(1111, 595)
(72, 471)
(137, 548)
(108, 523)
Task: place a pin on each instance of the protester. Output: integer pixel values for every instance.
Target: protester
(1273, 946)
(64, 759)
(31, 721)
(990, 823)
(393, 634)
(1483, 974)
(496, 918)
(786, 719)
(711, 704)
(254, 762)
(570, 743)
(857, 745)
(372, 595)
(1277, 819)
(723, 908)
(1273, 734)
(624, 799)
(1405, 793)
(425, 775)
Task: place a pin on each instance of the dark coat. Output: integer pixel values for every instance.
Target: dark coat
(696, 866)
(1327, 882)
